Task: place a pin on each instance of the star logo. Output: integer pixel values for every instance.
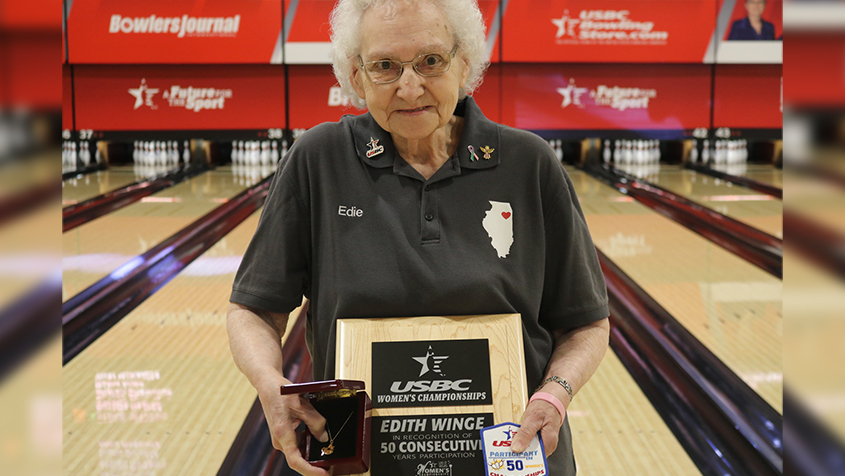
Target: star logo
(509, 433)
(143, 95)
(431, 362)
(565, 25)
(374, 148)
(571, 94)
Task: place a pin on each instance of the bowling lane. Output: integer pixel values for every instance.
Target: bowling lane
(160, 390)
(753, 208)
(767, 174)
(820, 200)
(616, 431)
(87, 186)
(731, 306)
(97, 248)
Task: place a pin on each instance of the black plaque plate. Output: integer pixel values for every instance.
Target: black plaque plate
(431, 373)
(430, 445)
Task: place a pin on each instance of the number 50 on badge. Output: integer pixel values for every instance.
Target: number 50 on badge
(499, 460)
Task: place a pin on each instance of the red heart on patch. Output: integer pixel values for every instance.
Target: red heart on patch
(506, 215)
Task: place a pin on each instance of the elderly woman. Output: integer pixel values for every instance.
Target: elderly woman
(422, 206)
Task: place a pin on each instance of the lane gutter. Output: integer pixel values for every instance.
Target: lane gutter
(742, 181)
(761, 249)
(83, 171)
(93, 208)
(92, 312)
(723, 424)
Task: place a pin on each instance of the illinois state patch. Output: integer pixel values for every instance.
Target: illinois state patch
(498, 222)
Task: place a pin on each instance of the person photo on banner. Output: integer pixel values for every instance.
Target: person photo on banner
(753, 26)
(420, 207)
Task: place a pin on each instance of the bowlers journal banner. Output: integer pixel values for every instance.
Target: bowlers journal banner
(431, 373)
(174, 31)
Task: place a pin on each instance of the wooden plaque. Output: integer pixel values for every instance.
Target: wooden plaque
(355, 338)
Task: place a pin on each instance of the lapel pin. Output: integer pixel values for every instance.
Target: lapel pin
(375, 149)
(471, 150)
(487, 151)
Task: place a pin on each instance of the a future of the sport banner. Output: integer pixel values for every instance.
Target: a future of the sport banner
(429, 445)
(431, 373)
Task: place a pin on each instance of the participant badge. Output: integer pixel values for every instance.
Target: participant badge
(499, 460)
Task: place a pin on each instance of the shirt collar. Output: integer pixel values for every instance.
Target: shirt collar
(479, 132)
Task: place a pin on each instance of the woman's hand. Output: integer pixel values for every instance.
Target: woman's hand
(284, 413)
(539, 416)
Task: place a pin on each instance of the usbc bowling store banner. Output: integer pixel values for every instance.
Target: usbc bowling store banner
(624, 31)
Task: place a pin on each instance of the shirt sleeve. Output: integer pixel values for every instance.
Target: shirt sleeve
(735, 31)
(275, 271)
(574, 291)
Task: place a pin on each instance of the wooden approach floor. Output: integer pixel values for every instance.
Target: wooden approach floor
(731, 306)
(753, 208)
(93, 250)
(78, 189)
(159, 392)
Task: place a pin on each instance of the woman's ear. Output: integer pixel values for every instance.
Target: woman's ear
(355, 78)
(465, 72)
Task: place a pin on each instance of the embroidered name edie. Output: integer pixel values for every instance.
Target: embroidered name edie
(349, 211)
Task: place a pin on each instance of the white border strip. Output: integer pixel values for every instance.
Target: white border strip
(750, 52)
(315, 52)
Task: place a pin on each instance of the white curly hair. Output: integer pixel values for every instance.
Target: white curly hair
(465, 23)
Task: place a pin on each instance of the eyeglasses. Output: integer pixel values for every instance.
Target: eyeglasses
(385, 71)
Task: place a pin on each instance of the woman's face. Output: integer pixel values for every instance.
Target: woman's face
(755, 8)
(413, 106)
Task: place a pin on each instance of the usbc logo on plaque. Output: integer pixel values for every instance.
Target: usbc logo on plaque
(431, 373)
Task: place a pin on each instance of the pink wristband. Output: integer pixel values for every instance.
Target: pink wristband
(548, 397)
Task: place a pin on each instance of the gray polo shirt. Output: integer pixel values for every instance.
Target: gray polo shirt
(352, 226)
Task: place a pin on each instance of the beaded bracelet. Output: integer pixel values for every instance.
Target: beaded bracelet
(563, 383)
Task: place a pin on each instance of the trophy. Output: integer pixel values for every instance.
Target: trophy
(435, 382)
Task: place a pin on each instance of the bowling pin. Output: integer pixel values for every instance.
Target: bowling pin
(607, 152)
(265, 153)
(186, 153)
(274, 152)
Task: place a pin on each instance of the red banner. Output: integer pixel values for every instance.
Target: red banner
(120, 98)
(315, 96)
(32, 61)
(31, 15)
(67, 98)
(309, 33)
(174, 31)
(624, 31)
(748, 96)
(489, 94)
(814, 70)
(599, 97)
